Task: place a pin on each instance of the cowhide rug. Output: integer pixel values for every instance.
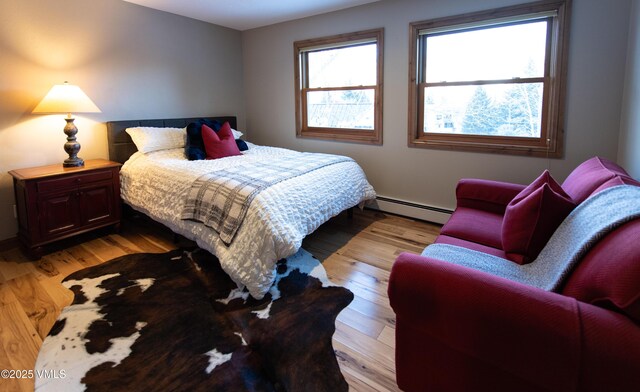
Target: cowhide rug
(175, 321)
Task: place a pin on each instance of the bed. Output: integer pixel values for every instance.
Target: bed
(279, 217)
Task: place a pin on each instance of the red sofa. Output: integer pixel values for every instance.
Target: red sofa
(460, 329)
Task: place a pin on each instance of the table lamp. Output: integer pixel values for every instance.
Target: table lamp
(68, 98)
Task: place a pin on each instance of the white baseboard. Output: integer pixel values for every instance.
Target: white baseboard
(411, 209)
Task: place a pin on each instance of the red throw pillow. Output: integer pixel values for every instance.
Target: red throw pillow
(221, 144)
(532, 217)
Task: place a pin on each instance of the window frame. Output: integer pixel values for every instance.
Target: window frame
(550, 143)
(301, 49)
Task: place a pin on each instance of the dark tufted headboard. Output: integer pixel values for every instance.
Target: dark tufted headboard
(121, 146)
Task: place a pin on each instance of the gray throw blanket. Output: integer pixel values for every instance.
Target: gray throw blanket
(584, 227)
(221, 199)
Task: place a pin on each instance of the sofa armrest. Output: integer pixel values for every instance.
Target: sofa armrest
(531, 334)
(486, 194)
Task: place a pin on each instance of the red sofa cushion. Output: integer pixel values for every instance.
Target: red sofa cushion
(487, 195)
(221, 144)
(609, 275)
(589, 176)
(480, 226)
(445, 239)
(616, 181)
(531, 218)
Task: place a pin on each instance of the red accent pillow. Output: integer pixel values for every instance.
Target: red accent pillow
(221, 144)
(532, 217)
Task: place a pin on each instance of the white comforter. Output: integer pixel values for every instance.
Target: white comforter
(278, 219)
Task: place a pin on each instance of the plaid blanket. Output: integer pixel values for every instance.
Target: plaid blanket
(221, 199)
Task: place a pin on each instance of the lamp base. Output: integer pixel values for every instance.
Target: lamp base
(73, 162)
(72, 147)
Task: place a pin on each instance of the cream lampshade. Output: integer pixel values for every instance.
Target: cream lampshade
(68, 98)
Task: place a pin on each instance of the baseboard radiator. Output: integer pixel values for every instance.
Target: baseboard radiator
(410, 209)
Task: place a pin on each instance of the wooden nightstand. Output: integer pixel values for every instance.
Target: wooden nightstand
(56, 202)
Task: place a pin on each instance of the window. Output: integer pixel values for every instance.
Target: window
(490, 81)
(339, 87)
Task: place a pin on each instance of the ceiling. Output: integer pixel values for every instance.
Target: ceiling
(248, 14)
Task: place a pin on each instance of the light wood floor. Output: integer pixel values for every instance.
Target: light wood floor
(357, 253)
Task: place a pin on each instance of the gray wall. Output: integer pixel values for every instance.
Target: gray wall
(597, 60)
(133, 62)
(629, 150)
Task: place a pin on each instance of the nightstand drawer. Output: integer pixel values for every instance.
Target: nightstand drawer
(67, 182)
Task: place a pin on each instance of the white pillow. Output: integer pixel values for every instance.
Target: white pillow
(149, 139)
(236, 134)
